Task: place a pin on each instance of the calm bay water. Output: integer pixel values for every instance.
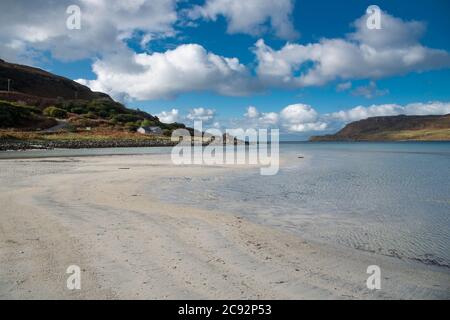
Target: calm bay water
(388, 198)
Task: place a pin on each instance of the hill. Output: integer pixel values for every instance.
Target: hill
(394, 128)
(38, 102)
(36, 82)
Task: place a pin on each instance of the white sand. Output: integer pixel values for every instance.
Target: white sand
(89, 212)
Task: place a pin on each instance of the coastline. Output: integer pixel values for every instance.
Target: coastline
(11, 145)
(95, 213)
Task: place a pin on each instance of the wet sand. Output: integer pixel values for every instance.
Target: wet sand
(104, 215)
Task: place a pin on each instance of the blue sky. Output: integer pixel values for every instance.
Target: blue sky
(108, 47)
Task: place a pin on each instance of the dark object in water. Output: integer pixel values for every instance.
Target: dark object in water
(301, 157)
(124, 168)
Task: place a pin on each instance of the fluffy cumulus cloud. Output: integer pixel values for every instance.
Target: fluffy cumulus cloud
(292, 118)
(169, 116)
(187, 68)
(206, 115)
(269, 118)
(365, 54)
(201, 114)
(252, 17)
(32, 27)
(361, 112)
(254, 118)
(301, 118)
(252, 112)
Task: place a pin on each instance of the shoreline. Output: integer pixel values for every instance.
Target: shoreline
(88, 211)
(10, 145)
(24, 145)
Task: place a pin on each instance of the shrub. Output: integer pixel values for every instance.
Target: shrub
(103, 114)
(12, 115)
(55, 112)
(125, 118)
(32, 109)
(148, 123)
(90, 115)
(131, 126)
(106, 107)
(7, 117)
(173, 126)
(78, 110)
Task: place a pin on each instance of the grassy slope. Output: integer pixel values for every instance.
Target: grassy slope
(100, 135)
(104, 118)
(415, 135)
(41, 100)
(402, 135)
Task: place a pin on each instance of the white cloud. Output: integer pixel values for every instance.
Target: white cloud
(37, 26)
(258, 119)
(308, 127)
(252, 112)
(361, 112)
(435, 108)
(190, 67)
(30, 28)
(250, 16)
(369, 91)
(269, 118)
(364, 54)
(187, 68)
(343, 86)
(299, 113)
(206, 115)
(169, 116)
(394, 32)
(292, 118)
(201, 114)
(300, 118)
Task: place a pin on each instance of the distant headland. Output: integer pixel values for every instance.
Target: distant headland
(394, 128)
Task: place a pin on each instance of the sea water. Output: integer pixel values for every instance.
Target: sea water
(388, 198)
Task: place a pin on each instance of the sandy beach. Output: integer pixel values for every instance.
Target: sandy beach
(104, 215)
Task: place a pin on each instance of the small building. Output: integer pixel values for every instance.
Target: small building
(150, 130)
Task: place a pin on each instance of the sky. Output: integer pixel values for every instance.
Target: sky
(307, 67)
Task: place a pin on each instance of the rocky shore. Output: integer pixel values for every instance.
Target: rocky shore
(80, 144)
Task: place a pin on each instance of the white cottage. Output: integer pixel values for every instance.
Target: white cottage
(150, 130)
